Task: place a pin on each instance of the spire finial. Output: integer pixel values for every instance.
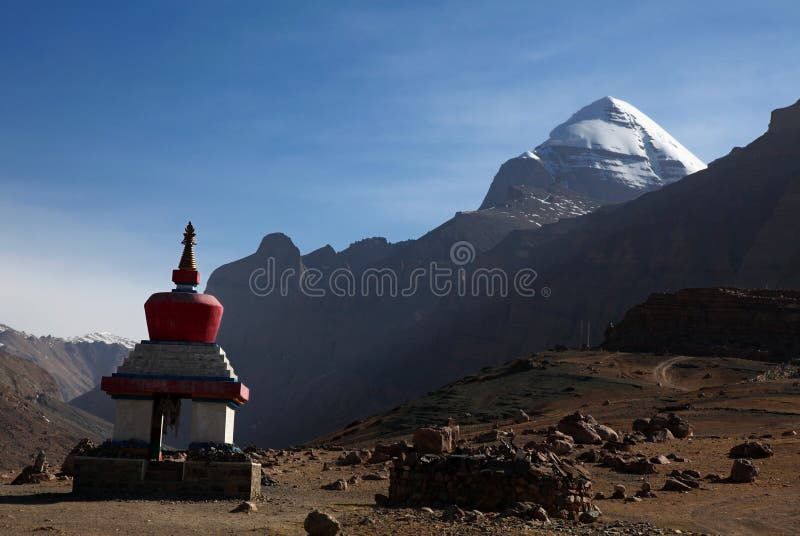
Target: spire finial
(188, 261)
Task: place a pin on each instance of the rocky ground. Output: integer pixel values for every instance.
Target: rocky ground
(713, 395)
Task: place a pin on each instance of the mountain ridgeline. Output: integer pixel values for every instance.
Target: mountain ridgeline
(317, 362)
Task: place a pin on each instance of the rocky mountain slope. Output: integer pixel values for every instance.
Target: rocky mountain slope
(33, 418)
(333, 357)
(75, 364)
(756, 323)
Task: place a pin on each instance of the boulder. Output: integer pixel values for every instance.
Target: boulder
(744, 471)
(580, 427)
(606, 433)
(751, 449)
(436, 440)
(321, 524)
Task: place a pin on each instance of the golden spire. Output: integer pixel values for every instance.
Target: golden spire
(188, 261)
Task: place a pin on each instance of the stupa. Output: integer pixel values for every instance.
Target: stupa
(180, 361)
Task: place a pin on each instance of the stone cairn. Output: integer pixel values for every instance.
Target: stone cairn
(493, 480)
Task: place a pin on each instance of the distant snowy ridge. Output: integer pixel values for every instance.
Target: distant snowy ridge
(609, 150)
(104, 337)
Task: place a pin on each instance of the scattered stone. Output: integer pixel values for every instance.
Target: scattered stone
(246, 507)
(354, 458)
(427, 510)
(599, 496)
(384, 453)
(606, 433)
(436, 440)
(751, 449)
(646, 491)
(527, 510)
(453, 513)
(268, 481)
(632, 499)
(744, 471)
(321, 524)
(381, 499)
(354, 480)
(83, 448)
(580, 427)
(36, 473)
(589, 516)
(677, 459)
(660, 460)
(673, 484)
(521, 417)
(789, 433)
(376, 476)
(606, 402)
(339, 485)
(619, 492)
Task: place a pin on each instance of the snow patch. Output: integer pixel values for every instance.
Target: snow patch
(104, 337)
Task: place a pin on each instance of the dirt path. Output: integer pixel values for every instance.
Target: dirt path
(660, 372)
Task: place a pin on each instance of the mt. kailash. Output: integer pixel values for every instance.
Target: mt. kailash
(608, 151)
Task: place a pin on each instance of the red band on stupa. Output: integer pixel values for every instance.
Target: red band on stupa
(186, 277)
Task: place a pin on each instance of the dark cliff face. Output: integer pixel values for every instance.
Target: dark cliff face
(314, 364)
(757, 324)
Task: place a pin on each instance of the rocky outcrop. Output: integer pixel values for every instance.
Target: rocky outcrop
(751, 323)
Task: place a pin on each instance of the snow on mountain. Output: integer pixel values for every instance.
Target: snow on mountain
(104, 337)
(609, 150)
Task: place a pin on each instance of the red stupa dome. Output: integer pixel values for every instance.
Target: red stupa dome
(184, 315)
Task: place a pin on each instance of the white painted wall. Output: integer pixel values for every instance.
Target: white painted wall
(132, 419)
(211, 422)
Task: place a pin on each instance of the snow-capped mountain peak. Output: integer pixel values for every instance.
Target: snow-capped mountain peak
(104, 337)
(609, 150)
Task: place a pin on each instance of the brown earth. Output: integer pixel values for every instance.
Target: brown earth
(615, 388)
(33, 418)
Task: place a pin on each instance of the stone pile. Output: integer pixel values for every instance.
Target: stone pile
(585, 429)
(36, 473)
(491, 482)
(663, 427)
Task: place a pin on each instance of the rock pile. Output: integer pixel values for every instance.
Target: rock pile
(36, 473)
(663, 427)
(585, 429)
(84, 448)
(491, 482)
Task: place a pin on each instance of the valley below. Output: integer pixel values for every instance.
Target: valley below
(727, 401)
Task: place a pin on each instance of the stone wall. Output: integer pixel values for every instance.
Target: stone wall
(488, 484)
(137, 477)
(748, 323)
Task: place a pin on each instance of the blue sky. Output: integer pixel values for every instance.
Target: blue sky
(329, 121)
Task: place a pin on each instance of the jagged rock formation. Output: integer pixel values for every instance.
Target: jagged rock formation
(754, 323)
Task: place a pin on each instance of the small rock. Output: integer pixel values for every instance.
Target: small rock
(427, 510)
(660, 460)
(521, 417)
(381, 499)
(321, 524)
(619, 492)
(376, 476)
(246, 507)
(599, 496)
(673, 484)
(339, 485)
(453, 513)
(590, 516)
(789, 433)
(632, 499)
